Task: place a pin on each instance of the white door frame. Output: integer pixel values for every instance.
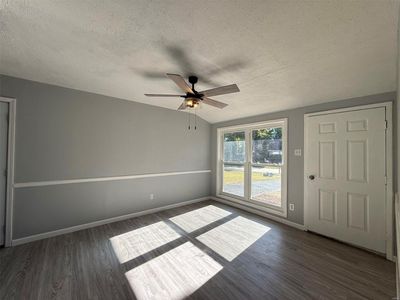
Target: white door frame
(389, 167)
(12, 106)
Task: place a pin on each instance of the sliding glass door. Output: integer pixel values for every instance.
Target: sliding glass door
(253, 164)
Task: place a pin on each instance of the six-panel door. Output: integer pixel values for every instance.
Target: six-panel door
(346, 177)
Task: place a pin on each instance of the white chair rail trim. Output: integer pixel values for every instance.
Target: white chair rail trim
(99, 179)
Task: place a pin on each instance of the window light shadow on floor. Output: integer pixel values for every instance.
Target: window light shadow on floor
(233, 237)
(199, 218)
(175, 274)
(132, 244)
(178, 273)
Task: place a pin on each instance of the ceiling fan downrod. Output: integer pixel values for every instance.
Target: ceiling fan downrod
(193, 80)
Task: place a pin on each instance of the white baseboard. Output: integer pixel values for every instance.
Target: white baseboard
(49, 234)
(260, 213)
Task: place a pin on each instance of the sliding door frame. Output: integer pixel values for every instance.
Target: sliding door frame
(246, 200)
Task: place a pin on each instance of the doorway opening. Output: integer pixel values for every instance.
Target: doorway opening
(7, 142)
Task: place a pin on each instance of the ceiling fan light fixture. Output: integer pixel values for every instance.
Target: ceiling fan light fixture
(189, 102)
(192, 102)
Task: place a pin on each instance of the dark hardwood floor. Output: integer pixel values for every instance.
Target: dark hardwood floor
(212, 251)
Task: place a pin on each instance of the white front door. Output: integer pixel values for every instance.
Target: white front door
(346, 176)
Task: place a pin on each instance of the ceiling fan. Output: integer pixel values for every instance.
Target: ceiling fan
(193, 98)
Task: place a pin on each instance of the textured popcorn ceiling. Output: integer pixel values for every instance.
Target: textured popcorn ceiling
(282, 54)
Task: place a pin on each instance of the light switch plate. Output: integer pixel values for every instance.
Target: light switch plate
(291, 206)
(297, 152)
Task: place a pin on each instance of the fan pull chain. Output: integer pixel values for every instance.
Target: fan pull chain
(195, 120)
(189, 121)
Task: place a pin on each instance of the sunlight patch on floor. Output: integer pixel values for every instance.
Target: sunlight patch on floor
(137, 242)
(233, 237)
(174, 275)
(199, 218)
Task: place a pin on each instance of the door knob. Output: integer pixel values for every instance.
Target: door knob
(312, 177)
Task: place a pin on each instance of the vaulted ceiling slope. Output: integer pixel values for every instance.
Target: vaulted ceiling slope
(282, 54)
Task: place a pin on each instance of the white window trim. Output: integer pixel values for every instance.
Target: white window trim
(282, 211)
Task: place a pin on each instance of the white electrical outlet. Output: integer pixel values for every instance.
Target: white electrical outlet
(151, 196)
(291, 206)
(297, 152)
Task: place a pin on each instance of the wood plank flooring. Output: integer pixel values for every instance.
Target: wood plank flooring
(201, 251)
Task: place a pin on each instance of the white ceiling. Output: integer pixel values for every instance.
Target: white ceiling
(282, 54)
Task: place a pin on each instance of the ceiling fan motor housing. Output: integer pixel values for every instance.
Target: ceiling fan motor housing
(193, 100)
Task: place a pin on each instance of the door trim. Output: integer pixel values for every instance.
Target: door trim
(389, 166)
(12, 109)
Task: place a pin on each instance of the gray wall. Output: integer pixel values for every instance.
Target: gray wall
(296, 141)
(68, 134)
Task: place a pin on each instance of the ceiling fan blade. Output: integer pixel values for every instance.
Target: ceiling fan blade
(161, 95)
(180, 82)
(182, 106)
(227, 89)
(214, 103)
